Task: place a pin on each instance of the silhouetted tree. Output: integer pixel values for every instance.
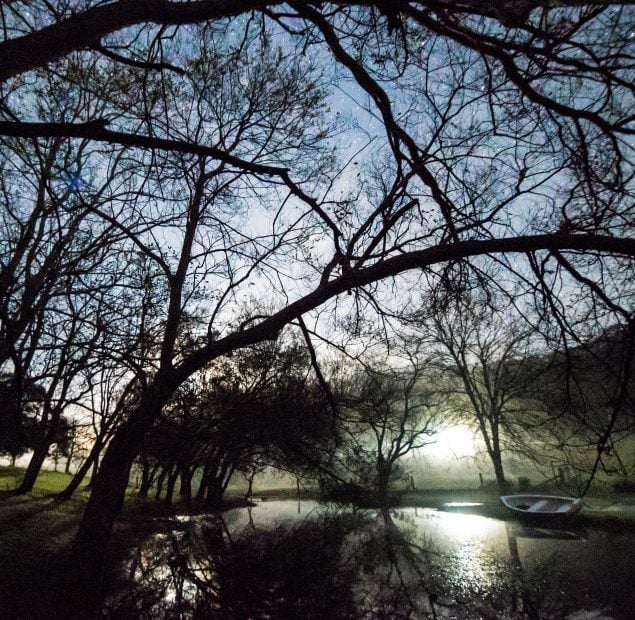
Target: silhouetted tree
(493, 369)
(390, 410)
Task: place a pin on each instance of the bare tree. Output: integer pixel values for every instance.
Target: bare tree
(494, 372)
(475, 112)
(68, 345)
(390, 410)
(579, 413)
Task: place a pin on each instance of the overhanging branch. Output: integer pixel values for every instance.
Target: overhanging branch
(395, 266)
(97, 131)
(85, 29)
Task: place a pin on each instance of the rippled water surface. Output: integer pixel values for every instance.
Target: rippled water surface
(286, 559)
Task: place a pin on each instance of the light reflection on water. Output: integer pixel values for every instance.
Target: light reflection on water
(316, 560)
(272, 514)
(470, 544)
(551, 573)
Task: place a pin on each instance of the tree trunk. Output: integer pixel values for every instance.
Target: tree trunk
(67, 467)
(169, 492)
(228, 472)
(151, 478)
(94, 473)
(81, 472)
(80, 590)
(185, 489)
(202, 487)
(217, 483)
(147, 477)
(35, 464)
(214, 491)
(499, 472)
(383, 477)
(80, 593)
(250, 480)
(160, 481)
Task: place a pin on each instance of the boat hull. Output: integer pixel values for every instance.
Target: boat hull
(542, 507)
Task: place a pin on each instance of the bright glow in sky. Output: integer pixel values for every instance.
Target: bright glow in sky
(454, 442)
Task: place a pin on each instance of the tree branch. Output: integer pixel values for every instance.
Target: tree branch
(394, 266)
(96, 131)
(138, 64)
(85, 29)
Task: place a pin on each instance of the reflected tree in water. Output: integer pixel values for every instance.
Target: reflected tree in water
(200, 570)
(337, 564)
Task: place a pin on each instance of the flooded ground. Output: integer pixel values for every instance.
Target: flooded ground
(289, 559)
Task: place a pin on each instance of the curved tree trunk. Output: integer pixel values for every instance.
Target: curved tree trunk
(81, 472)
(80, 590)
(35, 464)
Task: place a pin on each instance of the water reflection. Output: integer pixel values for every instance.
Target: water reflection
(209, 569)
(172, 574)
(325, 562)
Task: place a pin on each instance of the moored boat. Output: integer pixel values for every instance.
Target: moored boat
(542, 506)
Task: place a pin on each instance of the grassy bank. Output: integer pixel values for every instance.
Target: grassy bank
(47, 483)
(604, 509)
(35, 534)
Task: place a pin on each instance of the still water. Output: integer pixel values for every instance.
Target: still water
(286, 559)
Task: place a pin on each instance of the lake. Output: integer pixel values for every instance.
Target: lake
(289, 559)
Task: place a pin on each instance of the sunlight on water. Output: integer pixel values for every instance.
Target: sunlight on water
(470, 545)
(459, 528)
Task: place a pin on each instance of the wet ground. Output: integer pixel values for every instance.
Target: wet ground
(289, 559)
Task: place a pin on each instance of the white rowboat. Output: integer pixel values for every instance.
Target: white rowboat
(541, 506)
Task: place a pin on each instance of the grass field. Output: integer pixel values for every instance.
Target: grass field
(48, 482)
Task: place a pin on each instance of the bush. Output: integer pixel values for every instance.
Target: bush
(523, 483)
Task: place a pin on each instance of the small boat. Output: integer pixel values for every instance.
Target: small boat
(542, 506)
